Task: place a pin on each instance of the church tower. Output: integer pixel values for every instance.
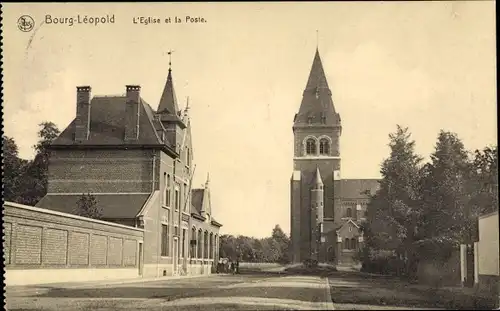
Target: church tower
(315, 182)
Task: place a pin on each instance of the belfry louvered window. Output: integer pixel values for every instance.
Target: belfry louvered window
(311, 146)
(324, 146)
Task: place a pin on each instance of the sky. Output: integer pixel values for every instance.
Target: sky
(425, 65)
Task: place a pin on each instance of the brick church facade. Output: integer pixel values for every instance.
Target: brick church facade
(326, 210)
(138, 164)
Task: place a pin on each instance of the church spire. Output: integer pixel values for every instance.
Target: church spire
(317, 77)
(317, 106)
(168, 101)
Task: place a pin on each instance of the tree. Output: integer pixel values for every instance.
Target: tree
(87, 206)
(446, 193)
(484, 180)
(394, 211)
(36, 177)
(13, 169)
(282, 243)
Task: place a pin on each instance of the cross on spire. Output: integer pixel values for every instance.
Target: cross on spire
(170, 59)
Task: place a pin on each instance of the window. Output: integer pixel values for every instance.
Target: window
(350, 228)
(323, 118)
(200, 244)
(164, 197)
(185, 206)
(188, 160)
(349, 212)
(167, 191)
(347, 243)
(183, 245)
(177, 199)
(365, 213)
(310, 119)
(193, 242)
(311, 146)
(164, 240)
(324, 146)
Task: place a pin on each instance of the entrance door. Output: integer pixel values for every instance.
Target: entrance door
(139, 261)
(175, 257)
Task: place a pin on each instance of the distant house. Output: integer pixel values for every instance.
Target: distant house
(488, 252)
(138, 163)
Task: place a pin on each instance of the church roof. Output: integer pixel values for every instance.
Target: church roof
(317, 105)
(113, 206)
(168, 101)
(358, 188)
(107, 125)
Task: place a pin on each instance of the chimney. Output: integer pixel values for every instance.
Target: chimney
(82, 129)
(132, 112)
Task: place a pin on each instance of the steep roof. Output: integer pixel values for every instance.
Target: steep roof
(197, 200)
(357, 188)
(168, 101)
(114, 206)
(317, 178)
(317, 105)
(107, 125)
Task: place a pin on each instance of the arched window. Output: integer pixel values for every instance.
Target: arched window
(310, 146)
(211, 254)
(192, 243)
(205, 245)
(347, 243)
(167, 191)
(349, 212)
(200, 244)
(324, 146)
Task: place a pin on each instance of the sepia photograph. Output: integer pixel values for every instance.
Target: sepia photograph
(250, 156)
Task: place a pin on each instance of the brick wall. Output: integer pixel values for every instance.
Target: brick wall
(40, 238)
(104, 171)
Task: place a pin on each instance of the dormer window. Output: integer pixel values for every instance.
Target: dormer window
(309, 119)
(323, 118)
(317, 92)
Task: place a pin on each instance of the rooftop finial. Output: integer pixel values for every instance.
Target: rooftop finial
(317, 38)
(208, 180)
(170, 59)
(186, 110)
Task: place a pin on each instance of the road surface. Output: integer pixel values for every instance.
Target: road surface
(264, 291)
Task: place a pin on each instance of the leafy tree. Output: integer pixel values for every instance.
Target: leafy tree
(394, 211)
(87, 206)
(36, 176)
(13, 169)
(446, 193)
(484, 180)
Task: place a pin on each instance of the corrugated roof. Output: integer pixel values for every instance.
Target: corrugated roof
(114, 206)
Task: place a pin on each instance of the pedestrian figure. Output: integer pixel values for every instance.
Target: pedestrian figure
(237, 266)
(232, 267)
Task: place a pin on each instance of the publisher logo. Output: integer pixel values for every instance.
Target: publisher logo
(25, 23)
